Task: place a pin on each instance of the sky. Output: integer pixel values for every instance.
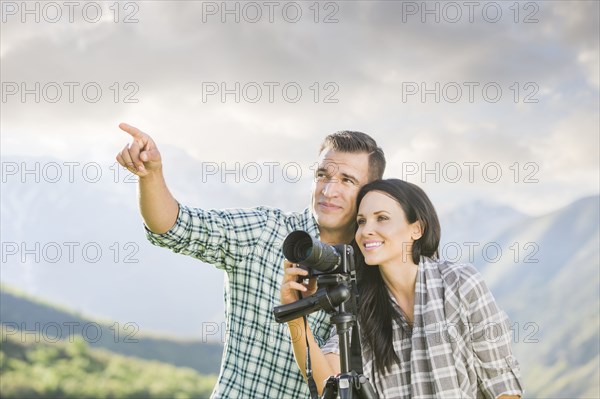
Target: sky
(494, 101)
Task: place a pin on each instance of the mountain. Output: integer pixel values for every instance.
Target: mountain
(548, 283)
(477, 221)
(544, 270)
(30, 320)
(545, 273)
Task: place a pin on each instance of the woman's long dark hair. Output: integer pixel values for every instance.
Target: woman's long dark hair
(376, 311)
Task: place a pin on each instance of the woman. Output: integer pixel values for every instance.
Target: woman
(429, 328)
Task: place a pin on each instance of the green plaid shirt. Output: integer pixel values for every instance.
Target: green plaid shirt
(258, 360)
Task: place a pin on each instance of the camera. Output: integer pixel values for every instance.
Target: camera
(333, 266)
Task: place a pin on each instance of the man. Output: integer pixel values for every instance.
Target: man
(258, 359)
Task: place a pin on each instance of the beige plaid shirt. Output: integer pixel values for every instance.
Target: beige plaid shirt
(458, 347)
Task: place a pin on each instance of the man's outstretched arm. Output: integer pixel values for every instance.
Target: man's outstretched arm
(157, 205)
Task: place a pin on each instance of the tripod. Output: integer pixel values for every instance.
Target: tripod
(333, 266)
(332, 296)
(347, 384)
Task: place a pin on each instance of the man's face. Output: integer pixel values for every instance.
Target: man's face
(338, 178)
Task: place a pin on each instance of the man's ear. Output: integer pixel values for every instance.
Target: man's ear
(416, 230)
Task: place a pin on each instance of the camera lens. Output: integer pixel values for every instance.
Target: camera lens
(300, 247)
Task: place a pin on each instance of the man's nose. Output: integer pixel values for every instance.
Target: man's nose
(331, 188)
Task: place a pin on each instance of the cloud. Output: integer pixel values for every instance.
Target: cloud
(365, 62)
(573, 145)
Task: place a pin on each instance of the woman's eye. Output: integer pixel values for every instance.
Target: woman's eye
(382, 218)
(360, 221)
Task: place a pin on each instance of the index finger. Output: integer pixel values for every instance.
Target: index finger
(133, 131)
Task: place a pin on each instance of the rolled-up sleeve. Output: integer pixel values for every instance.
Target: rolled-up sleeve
(497, 369)
(218, 237)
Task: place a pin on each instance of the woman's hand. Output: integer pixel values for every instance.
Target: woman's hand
(290, 285)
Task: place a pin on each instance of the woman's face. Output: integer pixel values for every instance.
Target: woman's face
(384, 235)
